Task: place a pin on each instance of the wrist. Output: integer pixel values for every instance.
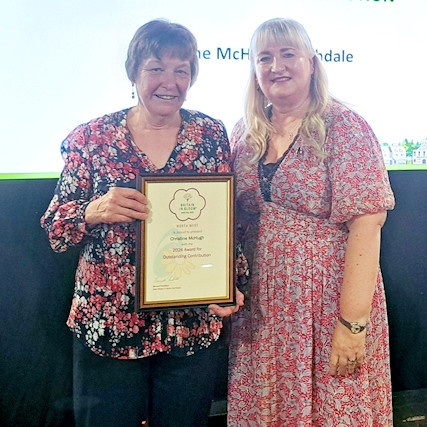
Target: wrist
(353, 327)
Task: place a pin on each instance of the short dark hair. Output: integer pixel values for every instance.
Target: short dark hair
(157, 38)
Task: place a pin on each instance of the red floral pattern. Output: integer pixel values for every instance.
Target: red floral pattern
(99, 155)
(295, 245)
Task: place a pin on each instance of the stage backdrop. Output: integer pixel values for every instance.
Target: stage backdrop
(63, 64)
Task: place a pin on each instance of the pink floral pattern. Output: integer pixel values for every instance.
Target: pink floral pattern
(99, 155)
(295, 245)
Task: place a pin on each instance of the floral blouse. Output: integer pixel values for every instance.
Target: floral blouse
(98, 155)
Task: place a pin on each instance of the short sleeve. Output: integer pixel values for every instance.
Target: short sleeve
(359, 179)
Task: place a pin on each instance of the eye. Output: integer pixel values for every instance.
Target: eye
(265, 59)
(182, 72)
(288, 55)
(153, 70)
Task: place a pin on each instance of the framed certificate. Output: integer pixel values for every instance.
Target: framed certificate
(185, 248)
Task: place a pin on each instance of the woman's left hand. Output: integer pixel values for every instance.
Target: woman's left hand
(348, 351)
(228, 311)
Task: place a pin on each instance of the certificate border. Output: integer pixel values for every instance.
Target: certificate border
(142, 184)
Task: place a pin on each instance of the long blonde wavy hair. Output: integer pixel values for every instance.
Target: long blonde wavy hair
(257, 106)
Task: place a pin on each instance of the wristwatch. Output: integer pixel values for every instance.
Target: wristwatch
(355, 327)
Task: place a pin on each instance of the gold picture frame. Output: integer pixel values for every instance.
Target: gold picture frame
(185, 248)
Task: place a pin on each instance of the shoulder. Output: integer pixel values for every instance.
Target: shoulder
(202, 119)
(117, 119)
(238, 134)
(339, 114)
(239, 128)
(110, 124)
(348, 131)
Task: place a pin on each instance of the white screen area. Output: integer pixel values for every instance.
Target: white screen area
(63, 63)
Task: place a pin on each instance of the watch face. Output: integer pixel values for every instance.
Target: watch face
(355, 328)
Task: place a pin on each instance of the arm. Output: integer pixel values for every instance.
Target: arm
(83, 198)
(64, 219)
(360, 278)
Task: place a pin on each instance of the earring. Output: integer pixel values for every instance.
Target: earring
(133, 91)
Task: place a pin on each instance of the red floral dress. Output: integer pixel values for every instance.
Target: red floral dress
(99, 155)
(295, 244)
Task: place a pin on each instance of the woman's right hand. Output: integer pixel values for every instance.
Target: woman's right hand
(118, 205)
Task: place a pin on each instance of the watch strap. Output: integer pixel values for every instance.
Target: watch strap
(354, 327)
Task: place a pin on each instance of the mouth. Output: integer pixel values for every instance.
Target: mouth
(280, 79)
(167, 97)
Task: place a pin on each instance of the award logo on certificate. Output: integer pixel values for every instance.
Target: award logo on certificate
(185, 248)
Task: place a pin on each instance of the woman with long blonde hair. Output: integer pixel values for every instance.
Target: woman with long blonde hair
(310, 348)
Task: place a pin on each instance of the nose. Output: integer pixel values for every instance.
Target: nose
(278, 64)
(169, 78)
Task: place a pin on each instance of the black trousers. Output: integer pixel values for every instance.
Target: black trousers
(164, 390)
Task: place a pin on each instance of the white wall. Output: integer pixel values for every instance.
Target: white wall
(63, 63)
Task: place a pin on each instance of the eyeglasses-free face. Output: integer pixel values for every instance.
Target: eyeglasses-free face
(283, 73)
(162, 84)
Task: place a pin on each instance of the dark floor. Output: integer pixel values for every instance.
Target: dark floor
(409, 410)
(218, 421)
(218, 413)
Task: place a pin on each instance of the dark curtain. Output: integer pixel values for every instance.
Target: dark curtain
(36, 288)
(404, 266)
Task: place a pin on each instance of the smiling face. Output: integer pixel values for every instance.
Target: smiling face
(162, 84)
(283, 73)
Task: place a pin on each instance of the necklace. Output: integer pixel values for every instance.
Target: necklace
(293, 130)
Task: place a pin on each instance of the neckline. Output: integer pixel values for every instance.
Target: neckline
(280, 159)
(140, 153)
